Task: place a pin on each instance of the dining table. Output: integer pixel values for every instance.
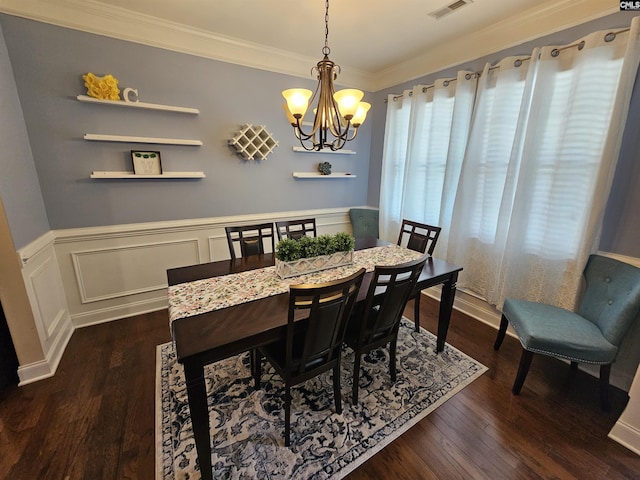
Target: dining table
(208, 327)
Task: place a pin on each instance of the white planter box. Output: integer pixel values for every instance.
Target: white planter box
(313, 264)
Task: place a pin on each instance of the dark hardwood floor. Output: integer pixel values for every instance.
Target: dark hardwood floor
(95, 418)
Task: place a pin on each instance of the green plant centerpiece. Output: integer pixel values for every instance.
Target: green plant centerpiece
(312, 254)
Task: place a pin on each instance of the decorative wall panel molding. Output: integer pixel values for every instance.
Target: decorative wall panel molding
(116, 271)
(124, 271)
(42, 278)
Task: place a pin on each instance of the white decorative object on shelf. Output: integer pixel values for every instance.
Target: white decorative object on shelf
(319, 175)
(253, 142)
(136, 104)
(130, 175)
(340, 152)
(126, 139)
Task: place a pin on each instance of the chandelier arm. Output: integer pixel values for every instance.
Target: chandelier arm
(341, 140)
(301, 134)
(355, 132)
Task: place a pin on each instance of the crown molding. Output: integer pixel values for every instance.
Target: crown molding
(95, 17)
(543, 19)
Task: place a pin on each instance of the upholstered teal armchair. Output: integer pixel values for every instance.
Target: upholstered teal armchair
(609, 306)
(364, 222)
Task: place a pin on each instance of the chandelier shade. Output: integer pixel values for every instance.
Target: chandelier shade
(337, 115)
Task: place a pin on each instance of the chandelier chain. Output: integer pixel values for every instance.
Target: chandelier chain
(326, 50)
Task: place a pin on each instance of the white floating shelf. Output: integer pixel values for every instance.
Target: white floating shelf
(126, 139)
(131, 175)
(340, 152)
(319, 175)
(149, 106)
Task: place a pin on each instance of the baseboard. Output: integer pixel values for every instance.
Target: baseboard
(470, 305)
(46, 368)
(626, 435)
(103, 315)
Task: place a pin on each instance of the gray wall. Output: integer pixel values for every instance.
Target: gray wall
(19, 188)
(48, 63)
(621, 230)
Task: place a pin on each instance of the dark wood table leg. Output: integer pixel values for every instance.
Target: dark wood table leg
(447, 296)
(197, 395)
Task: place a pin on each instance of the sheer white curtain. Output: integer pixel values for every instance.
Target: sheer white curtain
(538, 168)
(394, 161)
(427, 130)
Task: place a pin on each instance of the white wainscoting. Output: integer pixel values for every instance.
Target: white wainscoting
(113, 272)
(85, 276)
(119, 272)
(41, 275)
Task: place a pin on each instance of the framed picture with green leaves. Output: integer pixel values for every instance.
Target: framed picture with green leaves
(146, 163)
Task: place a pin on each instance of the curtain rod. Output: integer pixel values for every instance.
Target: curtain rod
(608, 37)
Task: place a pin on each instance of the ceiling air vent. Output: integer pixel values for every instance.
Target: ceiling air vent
(438, 14)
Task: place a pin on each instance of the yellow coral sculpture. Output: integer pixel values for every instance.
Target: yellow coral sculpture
(105, 88)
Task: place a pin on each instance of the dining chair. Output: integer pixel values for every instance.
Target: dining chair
(251, 239)
(312, 345)
(608, 307)
(421, 238)
(364, 222)
(377, 323)
(296, 229)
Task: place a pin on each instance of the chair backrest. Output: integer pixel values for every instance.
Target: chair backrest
(387, 296)
(418, 236)
(364, 222)
(251, 239)
(317, 339)
(296, 229)
(611, 298)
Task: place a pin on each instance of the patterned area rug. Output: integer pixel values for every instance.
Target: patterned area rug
(247, 426)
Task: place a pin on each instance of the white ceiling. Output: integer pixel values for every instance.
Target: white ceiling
(376, 42)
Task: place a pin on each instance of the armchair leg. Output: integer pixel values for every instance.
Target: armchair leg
(504, 323)
(416, 311)
(523, 369)
(605, 373)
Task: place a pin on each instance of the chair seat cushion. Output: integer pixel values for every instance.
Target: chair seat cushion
(558, 332)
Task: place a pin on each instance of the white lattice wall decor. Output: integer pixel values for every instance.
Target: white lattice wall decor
(253, 142)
